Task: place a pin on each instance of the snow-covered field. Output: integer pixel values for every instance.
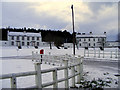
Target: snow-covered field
(10, 63)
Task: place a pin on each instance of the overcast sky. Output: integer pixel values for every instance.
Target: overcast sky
(96, 17)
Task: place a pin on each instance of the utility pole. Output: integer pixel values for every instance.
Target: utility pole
(73, 30)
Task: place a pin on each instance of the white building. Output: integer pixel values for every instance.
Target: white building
(47, 44)
(68, 45)
(112, 44)
(90, 40)
(4, 43)
(24, 39)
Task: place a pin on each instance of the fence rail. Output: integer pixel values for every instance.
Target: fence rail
(68, 64)
(101, 54)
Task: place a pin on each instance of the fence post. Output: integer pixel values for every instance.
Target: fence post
(73, 73)
(118, 82)
(99, 54)
(81, 67)
(79, 70)
(84, 52)
(41, 58)
(55, 79)
(111, 54)
(38, 75)
(32, 55)
(116, 54)
(94, 53)
(88, 52)
(103, 53)
(37, 64)
(13, 82)
(52, 61)
(66, 73)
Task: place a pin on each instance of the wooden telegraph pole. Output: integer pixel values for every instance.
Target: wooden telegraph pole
(73, 30)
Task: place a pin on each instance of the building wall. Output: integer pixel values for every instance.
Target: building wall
(68, 45)
(23, 41)
(90, 40)
(46, 44)
(4, 43)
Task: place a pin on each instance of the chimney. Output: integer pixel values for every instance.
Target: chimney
(83, 33)
(90, 32)
(105, 33)
(24, 31)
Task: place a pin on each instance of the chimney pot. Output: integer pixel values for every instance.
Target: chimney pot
(104, 32)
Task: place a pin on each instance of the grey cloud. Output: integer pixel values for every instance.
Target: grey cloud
(112, 35)
(96, 6)
(98, 24)
(18, 14)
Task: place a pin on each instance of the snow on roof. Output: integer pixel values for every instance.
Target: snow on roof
(89, 35)
(24, 34)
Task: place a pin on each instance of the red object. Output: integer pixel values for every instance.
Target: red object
(41, 51)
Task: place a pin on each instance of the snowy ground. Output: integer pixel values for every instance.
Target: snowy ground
(12, 63)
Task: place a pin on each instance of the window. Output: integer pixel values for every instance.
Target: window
(17, 37)
(89, 39)
(98, 39)
(84, 39)
(22, 43)
(93, 39)
(37, 43)
(12, 43)
(28, 43)
(80, 39)
(80, 44)
(89, 44)
(94, 44)
(16, 43)
(37, 38)
(12, 37)
(103, 39)
(32, 38)
(33, 43)
(23, 38)
(28, 38)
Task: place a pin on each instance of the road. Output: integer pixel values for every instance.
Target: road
(105, 64)
(108, 65)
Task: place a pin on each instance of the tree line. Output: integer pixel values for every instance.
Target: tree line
(58, 37)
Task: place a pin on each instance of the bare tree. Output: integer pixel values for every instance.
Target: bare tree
(49, 38)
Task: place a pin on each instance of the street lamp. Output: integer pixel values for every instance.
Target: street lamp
(73, 30)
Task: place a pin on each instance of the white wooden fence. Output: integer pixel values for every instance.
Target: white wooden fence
(101, 54)
(69, 62)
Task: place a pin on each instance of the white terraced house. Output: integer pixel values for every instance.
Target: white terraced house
(90, 40)
(24, 39)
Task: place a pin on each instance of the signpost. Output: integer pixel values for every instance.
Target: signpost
(41, 52)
